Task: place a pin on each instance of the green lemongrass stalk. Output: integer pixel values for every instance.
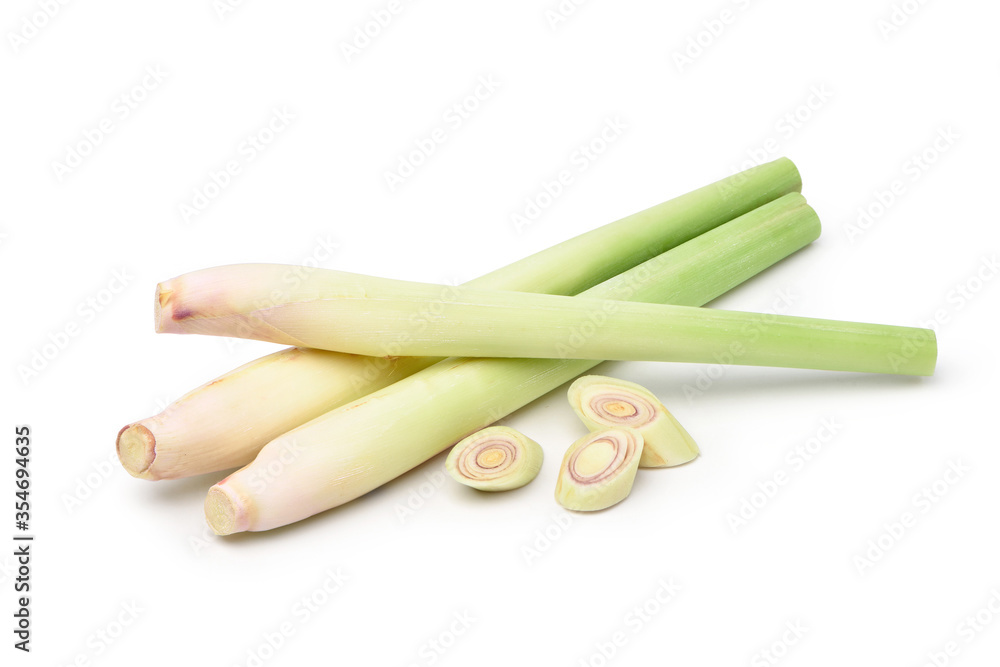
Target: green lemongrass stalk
(364, 444)
(357, 314)
(224, 423)
(498, 458)
(603, 402)
(598, 469)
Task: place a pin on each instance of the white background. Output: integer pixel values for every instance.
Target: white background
(106, 541)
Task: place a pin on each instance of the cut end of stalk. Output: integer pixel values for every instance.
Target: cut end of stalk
(165, 316)
(930, 357)
(794, 177)
(225, 512)
(136, 447)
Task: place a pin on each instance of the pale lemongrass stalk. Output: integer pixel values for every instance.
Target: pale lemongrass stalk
(603, 402)
(223, 424)
(364, 444)
(358, 314)
(497, 458)
(598, 469)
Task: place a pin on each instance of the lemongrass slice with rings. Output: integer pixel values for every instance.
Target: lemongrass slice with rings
(497, 458)
(598, 469)
(604, 402)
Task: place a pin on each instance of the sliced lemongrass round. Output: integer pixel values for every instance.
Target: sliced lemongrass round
(598, 469)
(604, 402)
(497, 458)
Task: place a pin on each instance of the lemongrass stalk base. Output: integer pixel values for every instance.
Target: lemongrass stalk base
(136, 446)
(225, 511)
(223, 424)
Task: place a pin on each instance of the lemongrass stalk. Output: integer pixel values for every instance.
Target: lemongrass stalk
(598, 469)
(497, 458)
(603, 402)
(224, 423)
(358, 314)
(360, 446)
